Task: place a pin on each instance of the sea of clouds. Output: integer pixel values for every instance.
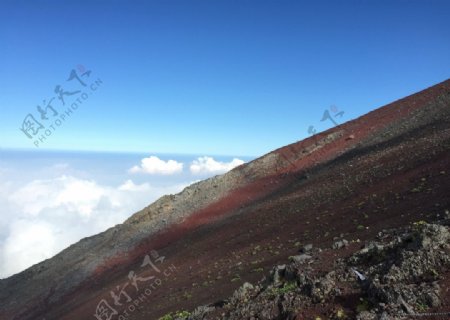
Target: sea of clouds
(58, 200)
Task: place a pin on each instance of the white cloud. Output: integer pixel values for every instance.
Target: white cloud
(154, 165)
(29, 242)
(129, 185)
(205, 165)
(74, 194)
(49, 215)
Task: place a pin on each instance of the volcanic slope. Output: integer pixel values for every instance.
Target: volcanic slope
(385, 169)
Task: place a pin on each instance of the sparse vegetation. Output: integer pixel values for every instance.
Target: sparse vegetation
(421, 307)
(340, 314)
(187, 295)
(175, 315)
(287, 287)
(363, 305)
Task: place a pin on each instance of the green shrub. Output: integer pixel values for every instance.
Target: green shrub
(175, 315)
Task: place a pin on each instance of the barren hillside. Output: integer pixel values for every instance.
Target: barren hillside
(386, 169)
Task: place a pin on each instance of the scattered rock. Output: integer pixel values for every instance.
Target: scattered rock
(366, 315)
(350, 137)
(201, 311)
(302, 258)
(306, 248)
(242, 293)
(340, 244)
(400, 273)
(277, 274)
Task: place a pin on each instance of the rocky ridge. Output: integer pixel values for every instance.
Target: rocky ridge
(395, 276)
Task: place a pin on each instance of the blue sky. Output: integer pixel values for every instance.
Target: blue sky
(213, 77)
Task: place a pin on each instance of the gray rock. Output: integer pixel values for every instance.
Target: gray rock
(432, 299)
(384, 316)
(243, 292)
(396, 280)
(306, 248)
(340, 244)
(302, 258)
(278, 274)
(366, 315)
(200, 312)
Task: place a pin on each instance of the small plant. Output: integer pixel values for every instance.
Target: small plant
(340, 314)
(434, 274)
(175, 315)
(421, 307)
(187, 295)
(236, 278)
(287, 287)
(419, 224)
(363, 305)
(182, 314)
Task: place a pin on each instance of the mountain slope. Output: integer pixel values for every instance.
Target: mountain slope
(402, 273)
(382, 170)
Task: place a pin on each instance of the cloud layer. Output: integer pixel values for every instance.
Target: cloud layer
(52, 214)
(41, 216)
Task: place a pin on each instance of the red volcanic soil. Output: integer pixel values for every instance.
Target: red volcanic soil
(342, 182)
